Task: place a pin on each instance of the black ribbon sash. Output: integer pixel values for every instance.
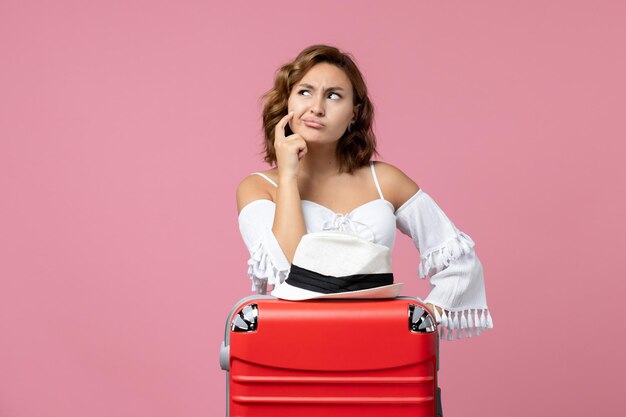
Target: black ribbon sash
(328, 284)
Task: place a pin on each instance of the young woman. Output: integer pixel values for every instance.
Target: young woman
(317, 121)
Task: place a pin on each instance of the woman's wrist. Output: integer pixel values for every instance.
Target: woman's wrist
(432, 308)
(287, 180)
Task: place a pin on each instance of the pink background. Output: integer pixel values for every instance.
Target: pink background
(125, 127)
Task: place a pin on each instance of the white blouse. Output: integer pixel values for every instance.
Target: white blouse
(447, 254)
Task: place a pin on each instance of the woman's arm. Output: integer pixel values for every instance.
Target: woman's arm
(448, 258)
(398, 188)
(288, 226)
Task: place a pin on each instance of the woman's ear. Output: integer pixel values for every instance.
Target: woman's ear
(356, 112)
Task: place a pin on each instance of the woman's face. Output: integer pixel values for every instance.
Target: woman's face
(322, 102)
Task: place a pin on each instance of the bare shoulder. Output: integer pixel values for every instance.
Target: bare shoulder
(397, 187)
(254, 187)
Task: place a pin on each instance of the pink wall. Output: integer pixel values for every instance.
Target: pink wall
(125, 127)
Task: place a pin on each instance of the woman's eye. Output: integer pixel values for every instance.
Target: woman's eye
(301, 92)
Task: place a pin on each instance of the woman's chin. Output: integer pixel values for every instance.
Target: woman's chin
(314, 137)
(320, 142)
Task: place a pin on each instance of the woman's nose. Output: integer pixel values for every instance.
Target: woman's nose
(317, 106)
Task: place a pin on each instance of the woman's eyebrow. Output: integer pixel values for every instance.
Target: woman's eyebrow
(313, 88)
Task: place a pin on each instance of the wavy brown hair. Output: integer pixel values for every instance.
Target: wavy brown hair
(357, 146)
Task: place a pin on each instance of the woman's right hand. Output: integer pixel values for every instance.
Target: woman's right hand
(289, 150)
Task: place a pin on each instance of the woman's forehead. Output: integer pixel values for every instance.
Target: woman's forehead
(326, 76)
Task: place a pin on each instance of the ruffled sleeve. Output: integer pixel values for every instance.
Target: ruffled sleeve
(268, 263)
(448, 257)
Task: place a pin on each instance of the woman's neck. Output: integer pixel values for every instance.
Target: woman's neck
(319, 163)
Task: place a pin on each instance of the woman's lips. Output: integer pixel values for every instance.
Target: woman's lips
(313, 124)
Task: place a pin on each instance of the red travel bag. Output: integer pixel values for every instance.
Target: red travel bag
(330, 358)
